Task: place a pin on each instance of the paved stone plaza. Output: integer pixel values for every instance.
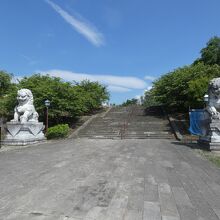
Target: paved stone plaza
(108, 180)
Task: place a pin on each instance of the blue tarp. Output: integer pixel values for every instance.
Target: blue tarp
(197, 118)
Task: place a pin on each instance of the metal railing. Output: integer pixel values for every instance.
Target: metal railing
(125, 124)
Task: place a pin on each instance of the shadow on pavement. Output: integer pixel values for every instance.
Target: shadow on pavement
(192, 145)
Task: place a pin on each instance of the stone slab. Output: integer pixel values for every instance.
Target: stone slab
(151, 211)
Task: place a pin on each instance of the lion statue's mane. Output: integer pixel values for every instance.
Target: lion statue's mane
(213, 106)
(25, 111)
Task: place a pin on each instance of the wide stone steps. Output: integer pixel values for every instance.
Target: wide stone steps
(101, 136)
(149, 137)
(131, 136)
(132, 122)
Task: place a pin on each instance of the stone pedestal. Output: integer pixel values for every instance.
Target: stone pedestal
(23, 133)
(212, 139)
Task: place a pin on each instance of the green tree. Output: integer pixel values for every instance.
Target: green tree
(7, 93)
(5, 83)
(65, 102)
(94, 94)
(197, 89)
(184, 86)
(149, 99)
(210, 54)
(68, 100)
(130, 102)
(187, 85)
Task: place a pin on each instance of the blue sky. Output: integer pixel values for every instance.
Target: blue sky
(123, 44)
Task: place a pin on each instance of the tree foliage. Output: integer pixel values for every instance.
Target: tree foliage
(7, 89)
(68, 100)
(210, 54)
(130, 102)
(5, 83)
(149, 99)
(94, 94)
(184, 86)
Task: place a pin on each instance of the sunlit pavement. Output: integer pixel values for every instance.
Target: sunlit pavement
(108, 180)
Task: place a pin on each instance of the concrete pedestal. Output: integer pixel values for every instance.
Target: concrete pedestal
(212, 140)
(23, 133)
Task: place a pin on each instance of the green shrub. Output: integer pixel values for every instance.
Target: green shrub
(58, 131)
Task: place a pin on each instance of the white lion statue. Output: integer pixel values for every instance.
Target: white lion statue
(213, 106)
(25, 111)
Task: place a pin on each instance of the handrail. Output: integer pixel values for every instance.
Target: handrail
(124, 126)
(122, 130)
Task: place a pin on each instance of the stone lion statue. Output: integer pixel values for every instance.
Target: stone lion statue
(25, 111)
(213, 106)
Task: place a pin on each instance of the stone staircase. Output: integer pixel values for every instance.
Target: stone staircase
(132, 122)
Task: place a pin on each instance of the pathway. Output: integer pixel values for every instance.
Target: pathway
(87, 179)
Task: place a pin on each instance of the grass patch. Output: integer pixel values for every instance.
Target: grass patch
(215, 159)
(211, 156)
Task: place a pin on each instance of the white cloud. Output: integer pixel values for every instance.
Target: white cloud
(149, 88)
(138, 97)
(115, 83)
(118, 89)
(81, 26)
(150, 78)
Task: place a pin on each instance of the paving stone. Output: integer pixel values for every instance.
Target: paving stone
(173, 178)
(94, 213)
(151, 211)
(136, 195)
(202, 207)
(151, 180)
(151, 193)
(187, 213)
(217, 212)
(167, 202)
(181, 197)
(170, 218)
(133, 215)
